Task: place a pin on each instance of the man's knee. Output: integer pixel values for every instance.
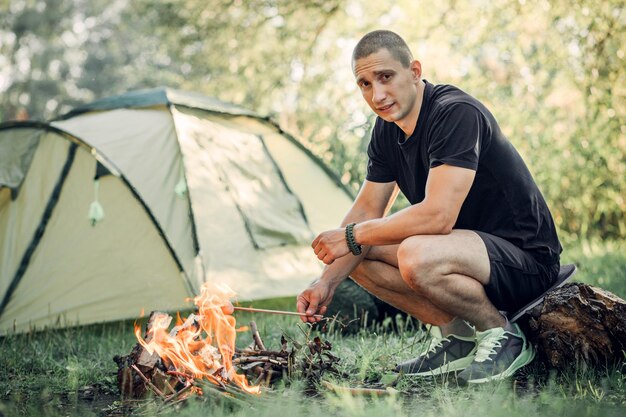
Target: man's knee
(417, 266)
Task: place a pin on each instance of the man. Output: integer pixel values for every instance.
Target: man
(478, 238)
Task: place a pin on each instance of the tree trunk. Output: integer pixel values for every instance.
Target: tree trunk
(578, 325)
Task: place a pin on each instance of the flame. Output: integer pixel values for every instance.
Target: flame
(202, 345)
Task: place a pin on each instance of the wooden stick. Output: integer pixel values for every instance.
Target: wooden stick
(253, 352)
(256, 336)
(286, 313)
(169, 386)
(359, 391)
(259, 378)
(179, 393)
(248, 359)
(148, 383)
(188, 378)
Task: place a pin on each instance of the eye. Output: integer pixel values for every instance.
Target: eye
(386, 77)
(364, 84)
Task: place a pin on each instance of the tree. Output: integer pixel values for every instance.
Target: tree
(552, 72)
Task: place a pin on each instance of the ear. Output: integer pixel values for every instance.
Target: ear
(416, 69)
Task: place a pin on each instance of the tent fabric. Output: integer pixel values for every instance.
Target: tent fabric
(16, 155)
(244, 172)
(81, 292)
(306, 176)
(20, 218)
(160, 97)
(191, 190)
(144, 147)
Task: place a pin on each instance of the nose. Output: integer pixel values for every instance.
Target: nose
(378, 93)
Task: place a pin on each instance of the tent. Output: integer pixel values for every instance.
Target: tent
(132, 202)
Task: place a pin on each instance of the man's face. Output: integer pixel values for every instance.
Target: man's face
(389, 88)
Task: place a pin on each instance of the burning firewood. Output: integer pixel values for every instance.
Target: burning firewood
(142, 371)
(172, 364)
(141, 366)
(199, 354)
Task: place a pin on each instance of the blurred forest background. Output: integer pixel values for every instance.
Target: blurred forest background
(552, 72)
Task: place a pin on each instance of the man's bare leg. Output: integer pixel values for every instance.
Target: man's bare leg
(385, 282)
(367, 275)
(445, 276)
(451, 271)
(380, 275)
(458, 327)
(370, 273)
(433, 278)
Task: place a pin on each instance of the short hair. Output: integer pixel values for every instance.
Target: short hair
(378, 39)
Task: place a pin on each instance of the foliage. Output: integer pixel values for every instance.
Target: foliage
(553, 73)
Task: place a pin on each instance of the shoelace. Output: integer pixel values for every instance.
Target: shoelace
(487, 345)
(434, 345)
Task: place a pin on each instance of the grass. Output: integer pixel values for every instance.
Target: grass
(70, 372)
(599, 263)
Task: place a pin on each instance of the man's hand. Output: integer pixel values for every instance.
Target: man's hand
(228, 308)
(314, 300)
(330, 245)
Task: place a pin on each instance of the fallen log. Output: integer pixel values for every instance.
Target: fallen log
(578, 324)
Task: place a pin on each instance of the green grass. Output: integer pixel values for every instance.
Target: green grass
(599, 263)
(70, 372)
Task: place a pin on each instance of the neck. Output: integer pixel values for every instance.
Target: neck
(408, 123)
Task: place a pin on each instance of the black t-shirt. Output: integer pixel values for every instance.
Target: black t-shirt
(454, 128)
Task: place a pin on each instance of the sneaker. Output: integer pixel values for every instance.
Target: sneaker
(447, 354)
(499, 355)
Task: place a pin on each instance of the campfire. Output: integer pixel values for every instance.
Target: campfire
(170, 363)
(199, 353)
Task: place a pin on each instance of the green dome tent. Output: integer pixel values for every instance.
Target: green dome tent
(132, 202)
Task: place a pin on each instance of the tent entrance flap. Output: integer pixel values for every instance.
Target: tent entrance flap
(272, 214)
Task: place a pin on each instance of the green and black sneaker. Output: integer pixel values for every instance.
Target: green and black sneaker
(446, 354)
(499, 355)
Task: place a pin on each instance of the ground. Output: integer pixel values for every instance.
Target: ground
(70, 372)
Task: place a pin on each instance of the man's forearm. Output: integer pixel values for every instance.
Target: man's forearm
(341, 268)
(414, 220)
(447, 187)
(373, 202)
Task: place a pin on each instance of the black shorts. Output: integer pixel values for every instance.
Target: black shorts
(516, 277)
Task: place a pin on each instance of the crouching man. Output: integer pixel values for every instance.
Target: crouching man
(477, 239)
